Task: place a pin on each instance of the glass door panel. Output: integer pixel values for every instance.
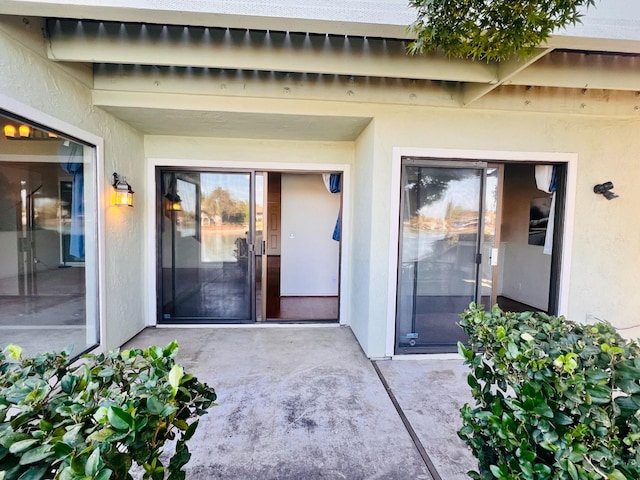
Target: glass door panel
(206, 242)
(259, 218)
(439, 241)
(490, 240)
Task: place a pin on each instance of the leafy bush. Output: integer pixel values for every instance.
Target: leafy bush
(490, 30)
(94, 420)
(554, 399)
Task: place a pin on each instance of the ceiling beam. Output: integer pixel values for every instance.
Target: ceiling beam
(582, 70)
(199, 81)
(98, 42)
(506, 70)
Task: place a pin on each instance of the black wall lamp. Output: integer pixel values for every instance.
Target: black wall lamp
(605, 189)
(122, 192)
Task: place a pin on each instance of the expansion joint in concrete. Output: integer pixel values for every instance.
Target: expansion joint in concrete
(412, 433)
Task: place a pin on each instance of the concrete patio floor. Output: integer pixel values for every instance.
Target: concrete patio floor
(303, 402)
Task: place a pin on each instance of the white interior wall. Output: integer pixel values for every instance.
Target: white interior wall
(309, 256)
(526, 270)
(46, 89)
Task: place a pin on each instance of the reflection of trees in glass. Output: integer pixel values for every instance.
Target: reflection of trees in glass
(429, 188)
(219, 204)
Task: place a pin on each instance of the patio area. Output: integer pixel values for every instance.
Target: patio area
(304, 402)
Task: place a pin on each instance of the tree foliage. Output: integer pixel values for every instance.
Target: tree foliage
(221, 204)
(490, 29)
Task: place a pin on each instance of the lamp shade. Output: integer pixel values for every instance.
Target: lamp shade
(10, 131)
(24, 130)
(122, 193)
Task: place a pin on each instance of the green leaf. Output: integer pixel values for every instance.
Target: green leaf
(37, 454)
(106, 372)
(68, 383)
(94, 462)
(62, 449)
(616, 475)
(100, 436)
(571, 468)
(561, 419)
(35, 473)
(175, 375)
(154, 405)
(22, 445)
(119, 419)
(544, 409)
(13, 351)
(104, 474)
(190, 430)
(526, 337)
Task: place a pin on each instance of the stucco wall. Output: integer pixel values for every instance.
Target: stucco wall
(606, 237)
(27, 77)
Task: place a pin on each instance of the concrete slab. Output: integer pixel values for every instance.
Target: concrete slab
(431, 393)
(294, 403)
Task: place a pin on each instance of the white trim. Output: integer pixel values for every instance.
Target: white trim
(571, 159)
(18, 108)
(429, 356)
(345, 169)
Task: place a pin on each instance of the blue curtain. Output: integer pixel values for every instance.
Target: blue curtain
(71, 156)
(334, 186)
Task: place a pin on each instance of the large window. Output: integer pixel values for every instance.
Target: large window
(48, 232)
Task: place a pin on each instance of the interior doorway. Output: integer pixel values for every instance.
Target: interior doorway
(247, 246)
(473, 232)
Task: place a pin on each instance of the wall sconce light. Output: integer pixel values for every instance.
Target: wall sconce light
(605, 189)
(10, 131)
(122, 192)
(173, 202)
(25, 132)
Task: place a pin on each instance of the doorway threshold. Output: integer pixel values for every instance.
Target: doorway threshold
(250, 325)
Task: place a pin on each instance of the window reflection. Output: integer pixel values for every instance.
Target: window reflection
(48, 291)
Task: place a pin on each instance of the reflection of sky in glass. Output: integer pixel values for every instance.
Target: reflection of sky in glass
(464, 194)
(459, 193)
(236, 184)
(187, 193)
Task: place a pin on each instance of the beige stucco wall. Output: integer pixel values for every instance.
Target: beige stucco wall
(606, 234)
(606, 238)
(27, 77)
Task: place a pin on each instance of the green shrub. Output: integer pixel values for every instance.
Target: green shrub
(96, 419)
(554, 399)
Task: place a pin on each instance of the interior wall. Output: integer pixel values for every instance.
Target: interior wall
(61, 92)
(526, 270)
(309, 256)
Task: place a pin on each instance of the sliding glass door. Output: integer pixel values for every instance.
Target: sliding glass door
(441, 245)
(206, 246)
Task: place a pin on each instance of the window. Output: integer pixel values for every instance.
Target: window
(48, 246)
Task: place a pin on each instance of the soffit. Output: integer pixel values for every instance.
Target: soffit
(225, 124)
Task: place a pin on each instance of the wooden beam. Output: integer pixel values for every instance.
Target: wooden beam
(582, 70)
(99, 42)
(506, 70)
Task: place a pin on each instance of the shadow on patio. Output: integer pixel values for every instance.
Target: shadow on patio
(305, 403)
